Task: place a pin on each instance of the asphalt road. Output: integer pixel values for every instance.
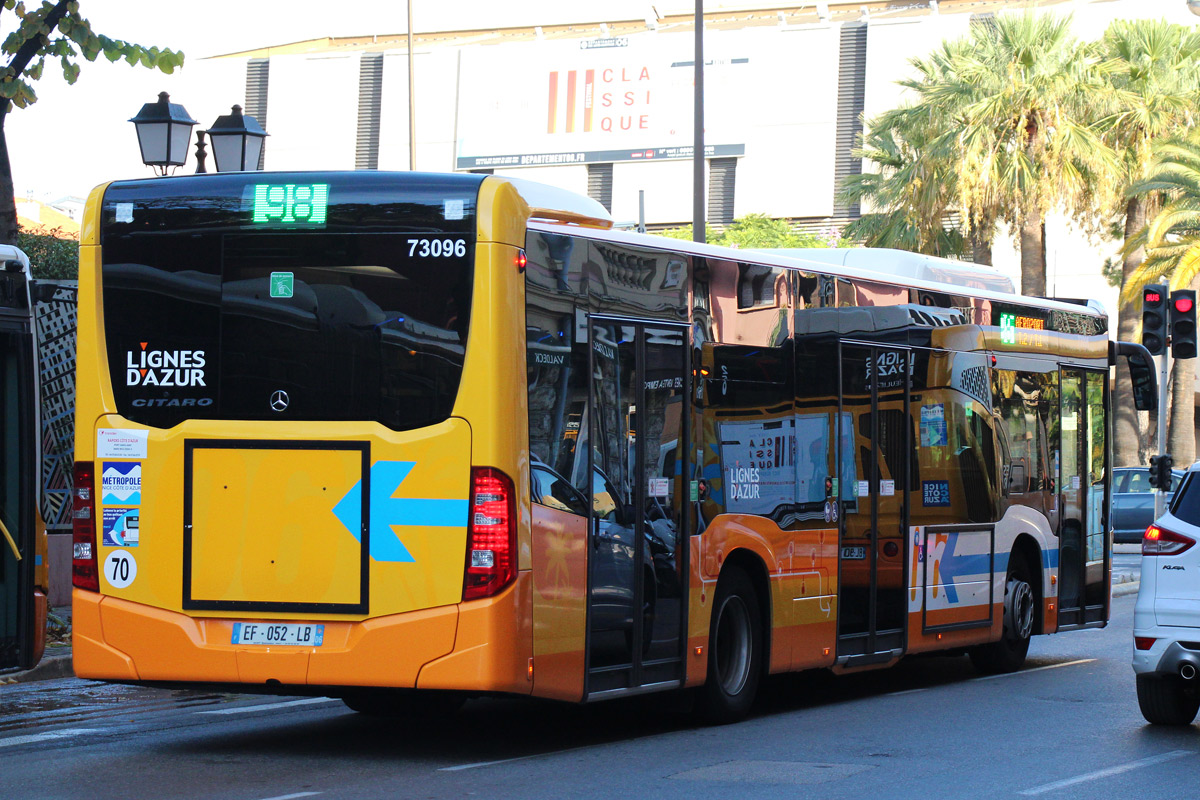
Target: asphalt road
(1067, 726)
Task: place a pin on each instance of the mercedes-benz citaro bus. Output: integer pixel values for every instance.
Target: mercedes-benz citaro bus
(403, 438)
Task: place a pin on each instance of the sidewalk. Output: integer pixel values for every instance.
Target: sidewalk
(56, 661)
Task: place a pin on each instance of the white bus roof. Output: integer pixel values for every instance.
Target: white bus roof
(905, 265)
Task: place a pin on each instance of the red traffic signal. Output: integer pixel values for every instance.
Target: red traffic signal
(1183, 323)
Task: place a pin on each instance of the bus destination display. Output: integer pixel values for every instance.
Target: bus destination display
(302, 205)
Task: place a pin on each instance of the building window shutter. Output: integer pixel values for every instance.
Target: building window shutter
(721, 179)
(370, 94)
(258, 73)
(852, 73)
(600, 184)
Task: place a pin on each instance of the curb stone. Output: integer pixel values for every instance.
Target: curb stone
(51, 667)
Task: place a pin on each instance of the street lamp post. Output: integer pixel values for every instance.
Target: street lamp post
(236, 141)
(164, 130)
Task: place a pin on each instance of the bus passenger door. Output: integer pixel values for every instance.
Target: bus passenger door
(872, 487)
(638, 447)
(1084, 561)
(18, 492)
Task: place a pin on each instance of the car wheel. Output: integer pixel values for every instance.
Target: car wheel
(1167, 700)
(1008, 654)
(735, 647)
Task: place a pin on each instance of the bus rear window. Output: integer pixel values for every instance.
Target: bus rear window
(287, 325)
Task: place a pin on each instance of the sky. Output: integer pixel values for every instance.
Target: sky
(77, 137)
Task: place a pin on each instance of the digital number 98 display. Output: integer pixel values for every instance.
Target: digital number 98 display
(290, 203)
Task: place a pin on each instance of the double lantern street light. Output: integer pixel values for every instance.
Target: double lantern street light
(164, 131)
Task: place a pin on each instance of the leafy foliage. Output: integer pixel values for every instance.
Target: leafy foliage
(1172, 238)
(34, 42)
(51, 255)
(760, 231)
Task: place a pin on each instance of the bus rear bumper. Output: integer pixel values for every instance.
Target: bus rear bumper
(123, 641)
(475, 646)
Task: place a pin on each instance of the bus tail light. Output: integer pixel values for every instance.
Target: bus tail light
(492, 534)
(1158, 541)
(84, 572)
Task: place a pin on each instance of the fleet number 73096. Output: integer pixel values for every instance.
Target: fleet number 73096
(437, 248)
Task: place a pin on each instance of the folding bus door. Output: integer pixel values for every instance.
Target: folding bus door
(638, 539)
(873, 487)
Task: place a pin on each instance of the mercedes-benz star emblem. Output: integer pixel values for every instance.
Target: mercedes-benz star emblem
(279, 400)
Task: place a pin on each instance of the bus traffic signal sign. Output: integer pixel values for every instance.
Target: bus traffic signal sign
(1154, 318)
(1183, 323)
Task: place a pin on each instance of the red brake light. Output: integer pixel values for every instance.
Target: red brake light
(1143, 642)
(84, 572)
(1158, 541)
(492, 534)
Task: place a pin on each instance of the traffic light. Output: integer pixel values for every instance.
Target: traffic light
(1183, 323)
(1154, 318)
(1160, 472)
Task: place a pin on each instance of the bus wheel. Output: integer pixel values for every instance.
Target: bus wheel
(735, 649)
(403, 702)
(1008, 654)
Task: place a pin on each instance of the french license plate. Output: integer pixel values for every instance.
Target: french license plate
(854, 552)
(279, 633)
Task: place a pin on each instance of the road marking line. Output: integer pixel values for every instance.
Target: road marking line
(1035, 669)
(478, 764)
(271, 707)
(292, 796)
(993, 677)
(1106, 773)
(12, 741)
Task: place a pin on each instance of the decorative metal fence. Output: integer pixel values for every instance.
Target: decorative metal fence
(55, 321)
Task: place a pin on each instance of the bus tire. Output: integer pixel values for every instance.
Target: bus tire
(403, 702)
(1008, 654)
(1166, 700)
(735, 648)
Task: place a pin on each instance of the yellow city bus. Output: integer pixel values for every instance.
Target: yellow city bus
(402, 438)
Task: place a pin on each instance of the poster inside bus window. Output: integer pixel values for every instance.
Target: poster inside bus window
(290, 205)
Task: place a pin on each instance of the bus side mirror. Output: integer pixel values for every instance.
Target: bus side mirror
(1141, 373)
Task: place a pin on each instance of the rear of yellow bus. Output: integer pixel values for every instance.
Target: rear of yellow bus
(299, 442)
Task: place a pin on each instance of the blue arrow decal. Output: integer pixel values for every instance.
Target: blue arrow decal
(386, 511)
(953, 566)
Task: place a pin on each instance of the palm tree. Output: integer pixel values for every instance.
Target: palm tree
(1013, 93)
(913, 187)
(1172, 245)
(1152, 76)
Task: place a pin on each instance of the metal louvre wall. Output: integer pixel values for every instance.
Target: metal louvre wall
(852, 72)
(258, 72)
(370, 100)
(722, 174)
(600, 184)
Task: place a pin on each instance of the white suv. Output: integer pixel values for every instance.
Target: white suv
(1166, 619)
